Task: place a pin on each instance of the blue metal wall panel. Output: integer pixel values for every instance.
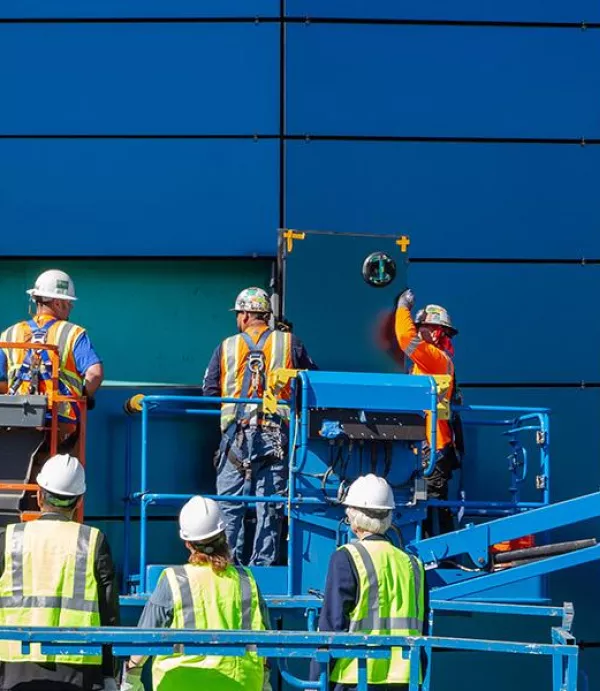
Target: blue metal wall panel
(138, 198)
(139, 78)
(137, 8)
(454, 200)
(443, 81)
(518, 323)
(488, 10)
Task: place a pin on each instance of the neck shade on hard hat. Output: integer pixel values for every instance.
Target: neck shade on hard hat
(58, 500)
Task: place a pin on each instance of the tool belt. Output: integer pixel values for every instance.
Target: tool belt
(232, 443)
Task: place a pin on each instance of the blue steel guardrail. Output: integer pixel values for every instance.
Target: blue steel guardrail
(516, 428)
(160, 403)
(321, 647)
(298, 440)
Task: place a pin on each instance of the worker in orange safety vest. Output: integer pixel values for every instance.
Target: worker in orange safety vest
(427, 341)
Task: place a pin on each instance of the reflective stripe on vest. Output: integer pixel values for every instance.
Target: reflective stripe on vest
(60, 333)
(444, 434)
(48, 580)
(276, 347)
(391, 605)
(205, 600)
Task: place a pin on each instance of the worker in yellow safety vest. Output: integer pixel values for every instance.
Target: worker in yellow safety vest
(56, 572)
(372, 587)
(29, 371)
(207, 593)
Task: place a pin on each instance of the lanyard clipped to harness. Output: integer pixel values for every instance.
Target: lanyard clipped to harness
(36, 364)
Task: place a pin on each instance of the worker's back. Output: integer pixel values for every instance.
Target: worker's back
(26, 367)
(203, 599)
(390, 601)
(48, 580)
(247, 359)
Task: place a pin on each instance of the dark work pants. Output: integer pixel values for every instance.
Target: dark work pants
(437, 488)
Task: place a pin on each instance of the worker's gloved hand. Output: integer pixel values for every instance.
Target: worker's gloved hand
(110, 684)
(405, 299)
(132, 680)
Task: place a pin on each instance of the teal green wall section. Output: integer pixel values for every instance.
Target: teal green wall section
(155, 321)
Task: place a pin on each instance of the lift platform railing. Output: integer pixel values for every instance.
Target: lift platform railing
(516, 423)
(201, 405)
(516, 420)
(322, 647)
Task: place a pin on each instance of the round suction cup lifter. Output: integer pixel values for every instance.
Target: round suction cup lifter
(379, 269)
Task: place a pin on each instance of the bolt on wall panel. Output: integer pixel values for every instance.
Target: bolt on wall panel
(454, 200)
(483, 10)
(139, 78)
(518, 323)
(432, 81)
(136, 8)
(138, 197)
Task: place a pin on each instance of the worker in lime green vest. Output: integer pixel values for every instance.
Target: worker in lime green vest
(56, 572)
(372, 587)
(207, 593)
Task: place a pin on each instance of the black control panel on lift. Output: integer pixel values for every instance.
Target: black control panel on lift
(359, 424)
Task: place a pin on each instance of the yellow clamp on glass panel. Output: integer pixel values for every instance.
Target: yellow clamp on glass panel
(403, 242)
(444, 382)
(290, 236)
(278, 378)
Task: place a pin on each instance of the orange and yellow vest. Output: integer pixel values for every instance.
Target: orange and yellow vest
(246, 361)
(57, 332)
(427, 359)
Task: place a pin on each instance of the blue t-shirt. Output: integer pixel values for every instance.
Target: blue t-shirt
(83, 352)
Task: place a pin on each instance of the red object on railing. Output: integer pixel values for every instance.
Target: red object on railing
(510, 545)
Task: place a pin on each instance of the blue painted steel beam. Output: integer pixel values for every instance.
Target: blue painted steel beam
(497, 608)
(289, 645)
(476, 540)
(472, 586)
(284, 643)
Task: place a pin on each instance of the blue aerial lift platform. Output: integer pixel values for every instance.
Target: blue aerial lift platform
(346, 424)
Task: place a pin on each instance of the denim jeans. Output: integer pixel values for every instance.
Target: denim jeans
(261, 451)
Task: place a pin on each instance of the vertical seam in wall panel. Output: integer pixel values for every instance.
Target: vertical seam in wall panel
(282, 69)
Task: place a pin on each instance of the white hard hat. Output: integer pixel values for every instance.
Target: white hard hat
(252, 300)
(370, 492)
(200, 519)
(435, 315)
(63, 475)
(53, 284)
